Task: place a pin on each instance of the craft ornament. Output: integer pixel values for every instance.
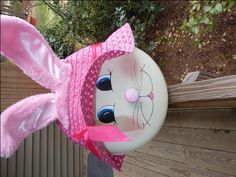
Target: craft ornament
(109, 97)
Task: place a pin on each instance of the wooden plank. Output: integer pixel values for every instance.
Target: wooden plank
(208, 104)
(202, 118)
(36, 154)
(205, 75)
(7, 10)
(222, 162)
(222, 88)
(64, 157)
(10, 71)
(6, 13)
(146, 163)
(15, 85)
(203, 138)
(213, 89)
(19, 82)
(28, 156)
(21, 89)
(81, 162)
(191, 77)
(85, 162)
(57, 151)
(3, 170)
(11, 10)
(77, 163)
(50, 142)
(20, 155)
(43, 153)
(11, 166)
(70, 165)
(197, 76)
(5, 6)
(132, 170)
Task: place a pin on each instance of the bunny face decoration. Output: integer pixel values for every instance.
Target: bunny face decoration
(131, 94)
(108, 97)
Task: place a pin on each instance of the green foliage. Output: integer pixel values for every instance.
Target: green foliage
(79, 23)
(60, 38)
(201, 17)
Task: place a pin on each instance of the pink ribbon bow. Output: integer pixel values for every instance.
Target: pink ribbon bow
(107, 133)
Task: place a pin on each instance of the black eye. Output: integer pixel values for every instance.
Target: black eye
(104, 82)
(106, 114)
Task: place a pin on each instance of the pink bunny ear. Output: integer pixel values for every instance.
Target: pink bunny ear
(122, 39)
(24, 118)
(26, 47)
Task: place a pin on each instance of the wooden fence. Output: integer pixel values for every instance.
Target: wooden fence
(46, 153)
(198, 138)
(8, 10)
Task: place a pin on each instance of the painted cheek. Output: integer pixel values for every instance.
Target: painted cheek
(126, 124)
(125, 66)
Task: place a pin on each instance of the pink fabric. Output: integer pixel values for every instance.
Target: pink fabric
(72, 82)
(99, 133)
(24, 118)
(25, 46)
(33, 55)
(86, 64)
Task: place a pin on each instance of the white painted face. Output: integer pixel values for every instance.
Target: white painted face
(131, 94)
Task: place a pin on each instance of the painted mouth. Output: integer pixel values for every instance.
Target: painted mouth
(151, 95)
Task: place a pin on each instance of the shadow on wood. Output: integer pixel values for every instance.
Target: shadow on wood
(97, 168)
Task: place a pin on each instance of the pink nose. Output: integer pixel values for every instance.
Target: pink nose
(132, 95)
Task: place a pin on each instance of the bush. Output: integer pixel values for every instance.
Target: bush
(201, 17)
(79, 23)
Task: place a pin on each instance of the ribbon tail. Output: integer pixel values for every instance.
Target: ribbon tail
(108, 133)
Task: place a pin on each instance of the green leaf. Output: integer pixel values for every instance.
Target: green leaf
(207, 8)
(188, 24)
(191, 21)
(198, 7)
(183, 26)
(195, 29)
(193, 2)
(194, 7)
(219, 7)
(205, 20)
(213, 11)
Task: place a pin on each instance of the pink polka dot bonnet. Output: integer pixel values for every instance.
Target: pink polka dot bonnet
(72, 83)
